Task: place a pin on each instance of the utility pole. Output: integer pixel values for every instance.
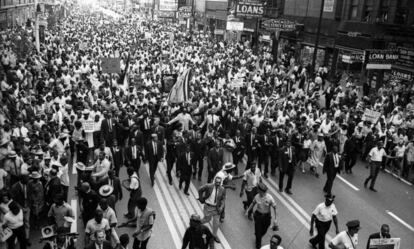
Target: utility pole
(36, 27)
(318, 32)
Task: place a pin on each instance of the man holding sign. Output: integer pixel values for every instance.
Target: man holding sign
(384, 233)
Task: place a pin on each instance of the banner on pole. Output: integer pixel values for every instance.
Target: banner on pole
(111, 65)
(88, 125)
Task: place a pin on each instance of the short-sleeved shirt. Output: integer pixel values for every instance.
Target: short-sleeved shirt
(345, 239)
(13, 221)
(264, 203)
(59, 213)
(376, 154)
(134, 183)
(251, 178)
(92, 226)
(142, 222)
(109, 214)
(223, 175)
(324, 213)
(3, 174)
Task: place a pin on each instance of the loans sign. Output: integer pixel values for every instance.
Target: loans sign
(249, 9)
(279, 24)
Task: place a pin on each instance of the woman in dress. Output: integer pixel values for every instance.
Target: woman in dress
(318, 151)
(228, 147)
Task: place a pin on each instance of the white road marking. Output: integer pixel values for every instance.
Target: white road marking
(198, 208)
(400, 220)
(395, 175)
(74, 159)
(74, 206)
(348, 183)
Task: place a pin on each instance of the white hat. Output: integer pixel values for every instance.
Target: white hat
(106, 190)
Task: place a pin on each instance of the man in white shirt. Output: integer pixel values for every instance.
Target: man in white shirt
(102, 167)
(347, 239)
(376, 156)
(251, 179)
(275, 241)
(323, 215)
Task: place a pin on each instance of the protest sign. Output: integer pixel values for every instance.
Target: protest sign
(392, 243)
(111, 65)
(168, 81)
(370, 115)
(88, 125)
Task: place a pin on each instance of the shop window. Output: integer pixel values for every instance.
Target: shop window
(353, 10)
(368, 11)
(383, 11)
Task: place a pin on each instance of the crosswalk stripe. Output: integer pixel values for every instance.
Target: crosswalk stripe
(198, 208)
(168, 219)
(74, 206)
(348, 183)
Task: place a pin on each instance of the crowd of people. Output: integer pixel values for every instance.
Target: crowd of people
(247, 117)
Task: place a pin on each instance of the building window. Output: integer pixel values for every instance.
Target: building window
(353, 10)
(383, 11)
(401, 14)
(368, 10)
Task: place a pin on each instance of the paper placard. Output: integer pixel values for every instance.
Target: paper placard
(392, 243)
(88, 125)
(370, 115)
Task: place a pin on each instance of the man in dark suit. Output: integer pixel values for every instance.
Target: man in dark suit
(276, 148)
(117, 157)
(252, 145)
(138, 135)
(108, 129)
(184, 162)
(171, 156)
(214, 160)
(19, 193)
(384, 233)
(114, 181)
(197, 146)
(238, 152)
(331, 167)
(265, 151)
(350, 153)
(159, 130)
(154, 153)
(100, 241)
(145, 126)
(213, 196)
(133, 155)
(287, 165)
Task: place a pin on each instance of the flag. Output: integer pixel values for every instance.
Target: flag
(180, 91)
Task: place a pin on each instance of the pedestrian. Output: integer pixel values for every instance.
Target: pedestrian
(251, 179)
(97, 223)
(214, 160)
(213, 196)
(154, 154)
(264, 203)
(88, 202)
(383, 234)
(347, 239)
(19, 193)
(322, 216)
(184, 163)
(350, 153)
(14, 221)
(331, 166)
(123, 241)
(135, 192)
(58, 213)
(376, 155)
(287, 166)
(275, 242)
(145, 222)
(198, 236)
(99, 241)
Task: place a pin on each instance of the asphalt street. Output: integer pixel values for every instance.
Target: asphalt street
(392, 204)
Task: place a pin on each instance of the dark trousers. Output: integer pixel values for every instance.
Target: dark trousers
(186, 180)
(236, 159)
(330, 177)
(373, 173)
(152, 169)
(250, 196)
(261, 224)
(264, 160)
(290, 172)
(21, 237)
(138, 244)
(322, 228)
(170, 164)
(273, 164)
(350, 161)
(211, 175)
(199, 161)
(136, 164)
(132, 205)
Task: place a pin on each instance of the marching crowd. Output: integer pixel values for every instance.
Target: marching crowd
(246, 116)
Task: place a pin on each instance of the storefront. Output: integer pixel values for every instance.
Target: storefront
(349, 60)
(379, 64)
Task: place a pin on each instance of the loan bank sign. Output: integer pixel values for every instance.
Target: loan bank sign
(249, 9)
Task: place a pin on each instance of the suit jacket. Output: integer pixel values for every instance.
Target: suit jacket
(105, 132)
(284, 159)
(184, 165)
(265, 144)
(142, 125)
(149, 152)
(205, 191)
(160, 131)
(117, 157)
(129, 156)
(116, 183)
(240, 146)
(18, 195)
(329, 165)
(376, 236)
(105, 245)
(215, 158)
(252, 145)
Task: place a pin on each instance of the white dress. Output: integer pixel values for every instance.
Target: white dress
(227, 151)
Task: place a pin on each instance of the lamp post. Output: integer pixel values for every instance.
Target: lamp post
(318, 32)
(36, 27)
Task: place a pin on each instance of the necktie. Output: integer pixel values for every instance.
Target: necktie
(146, 124)
(215, 197)
(25, 195)
(188, 158)
(111, 182)
(336, 160)
(110, 124)
(133, 152)
(155, 149)
(20, 131)
(290, 154)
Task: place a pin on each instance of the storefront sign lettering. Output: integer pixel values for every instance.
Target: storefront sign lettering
(406, 57)
(382, 56)
(250, 9)
(402, 75)
(279, 24)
